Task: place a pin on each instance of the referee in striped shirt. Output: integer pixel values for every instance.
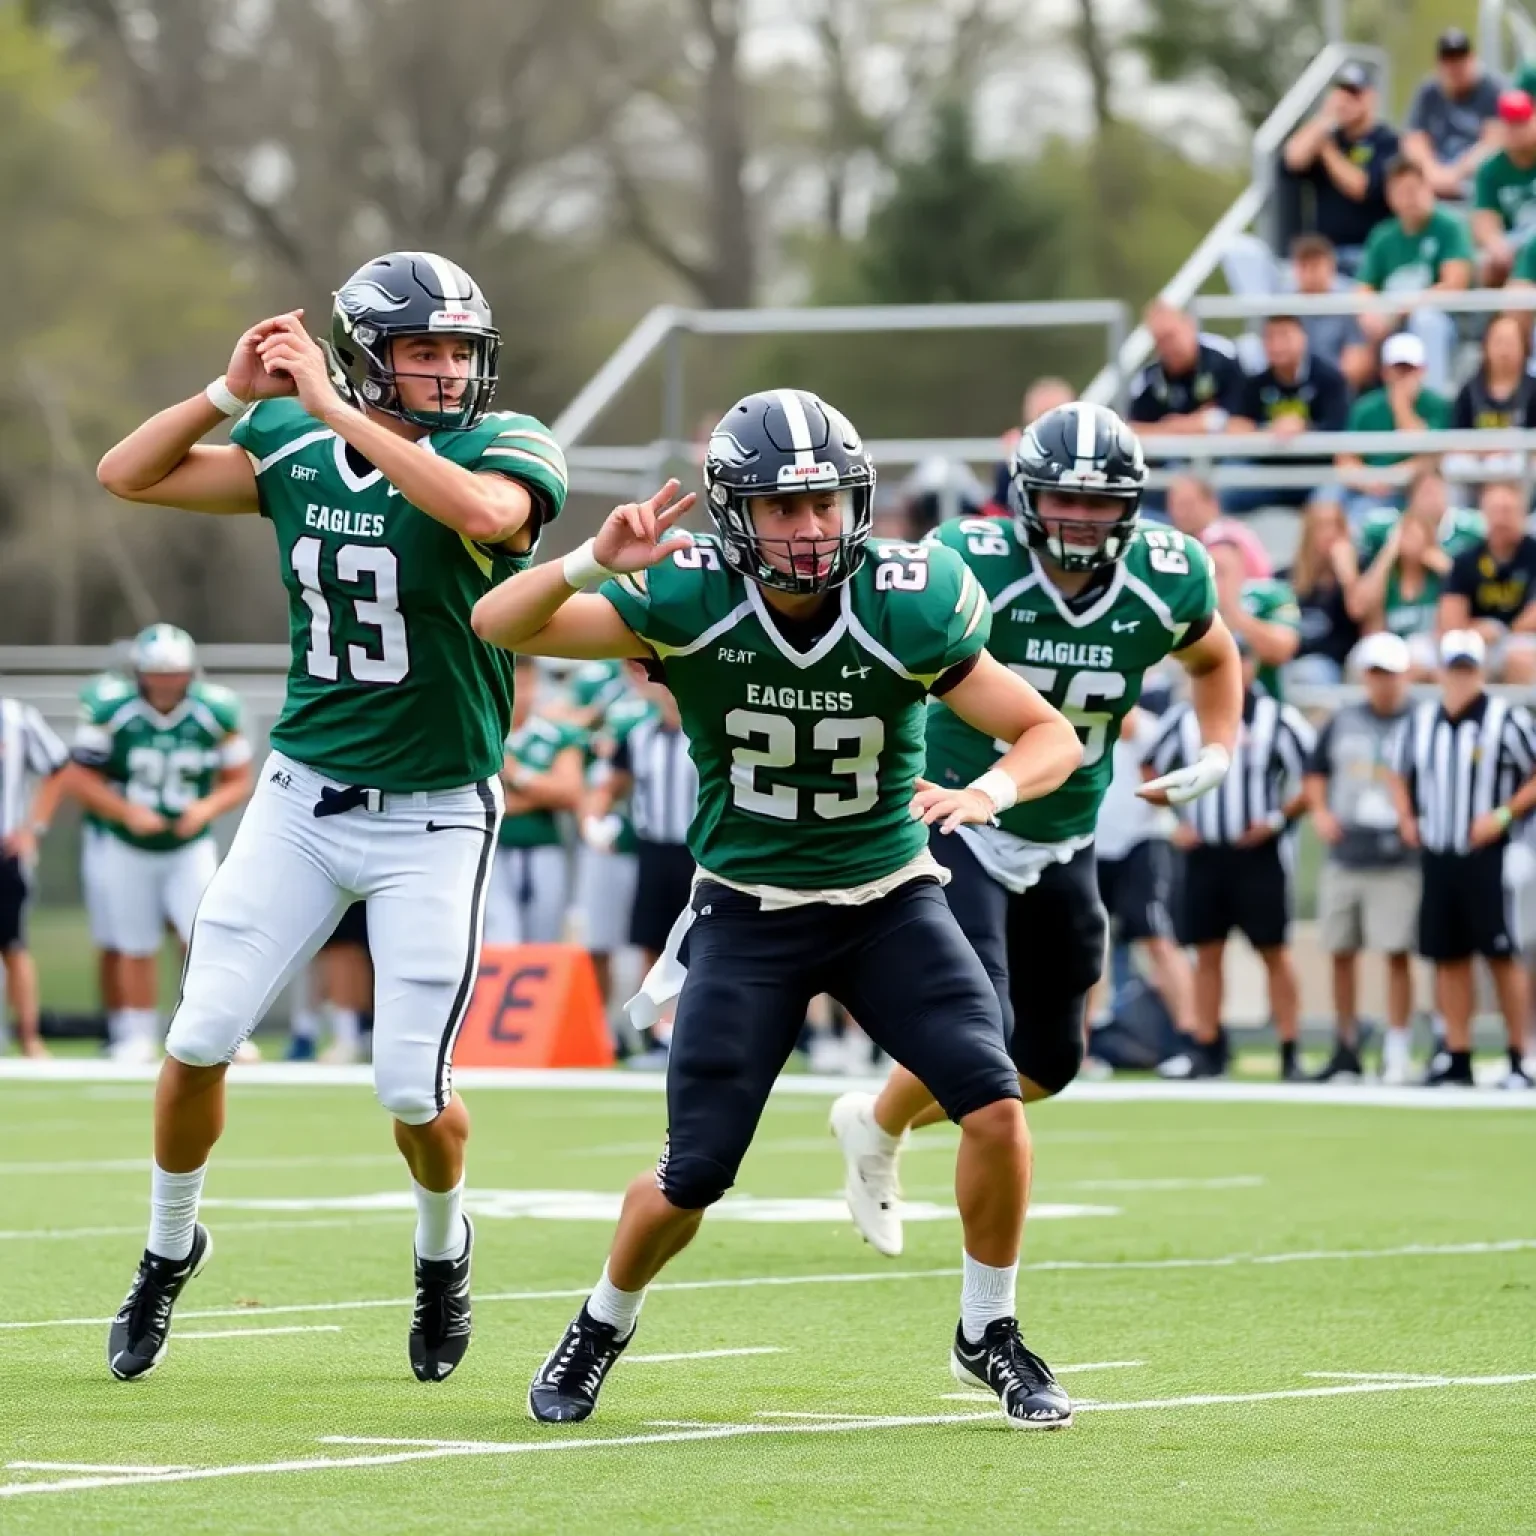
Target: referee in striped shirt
(1466, 770)
(30, 754)
(1234, 873)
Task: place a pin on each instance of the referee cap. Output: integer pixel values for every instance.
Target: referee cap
(1462, 648)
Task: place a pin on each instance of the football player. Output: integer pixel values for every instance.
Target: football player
(397, 498)
(155, 766)
(541, 776)
(1085, 600)
(801, 654)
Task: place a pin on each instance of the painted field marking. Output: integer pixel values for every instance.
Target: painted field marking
(1428, 1380)
(87, 1466)
(753, 1282)
(251, 1333)
(414, 1451)
(703, 1354)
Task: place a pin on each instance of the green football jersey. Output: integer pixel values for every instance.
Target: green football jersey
(162, 761)
(1088, 662)
(535, 745)
(623, 715)
(1461, 529)
(596, 684)
(806, 757)
(94, 696)
(388, 686)
(1274, 602)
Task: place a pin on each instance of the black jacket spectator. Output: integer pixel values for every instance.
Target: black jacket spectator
(1501, 394)
(1342, 155)
(1495, 588)
(1315, 395)
(1193, 370)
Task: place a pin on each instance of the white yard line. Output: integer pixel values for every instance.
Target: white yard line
(702, 1354)
(87, 1466)
(753, 1282)
(1428, 1380)
(251, 1333)
(438, 1450)
(803, 1085)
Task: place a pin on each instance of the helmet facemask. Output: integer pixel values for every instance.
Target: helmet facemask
(804, 566)
(1083, 544)
(363, 352)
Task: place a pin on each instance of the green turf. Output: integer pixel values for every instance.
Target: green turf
(1319, 1183)
(66, 964)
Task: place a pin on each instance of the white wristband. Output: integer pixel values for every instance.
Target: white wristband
(998, 788)
(581, 568)
(223, 399)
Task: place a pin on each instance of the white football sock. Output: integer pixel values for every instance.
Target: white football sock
(986, 1294)
(173, 1201)
(440, 1230)
(305, 1025)
(619, 1309)
(346, 1026)
(142, 1024)
(117, 1029)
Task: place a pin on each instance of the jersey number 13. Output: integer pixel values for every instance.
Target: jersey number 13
(371, 566)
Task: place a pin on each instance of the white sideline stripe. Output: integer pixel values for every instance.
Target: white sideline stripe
(752, 1282)
(46, 1234)
(703, 1354)
(251, 1333)
(438, 1450)
(85, 1466)
(279, 1074)
(1374, 1376)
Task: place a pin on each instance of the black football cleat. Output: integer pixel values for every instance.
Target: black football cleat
(1030, 1397)
(1344, 1066)
(140, 1333)
(1445, 1071)
(440, 1325)
(565, 1389)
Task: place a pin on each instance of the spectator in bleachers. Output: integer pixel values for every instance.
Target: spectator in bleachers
(1343, 152)
(1043, 395)
(1492, 586)
(1402, 404)
(1404, 563)
(1195, 510)
(1262, 615)
(1296, 392)
(1504, 191)
(1337, 338)
(1499, 396)
(1422, 248)
(939, 490)
(1368, 892)
(1453, 123)
(1193, 384)
(1320, 577)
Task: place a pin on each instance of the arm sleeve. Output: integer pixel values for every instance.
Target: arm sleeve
(523, 450)
(1145, 406)
(45, 752)
(1458, 246)
(958, 615)
(1385, 150)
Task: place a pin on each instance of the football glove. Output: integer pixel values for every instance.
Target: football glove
(1186, 784)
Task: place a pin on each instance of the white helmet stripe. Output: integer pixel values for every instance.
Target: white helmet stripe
(449, 278)
(1087, 431)
(799, 427)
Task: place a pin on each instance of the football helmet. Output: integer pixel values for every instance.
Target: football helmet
(783, 442)
(412, 293)
(1077, 449)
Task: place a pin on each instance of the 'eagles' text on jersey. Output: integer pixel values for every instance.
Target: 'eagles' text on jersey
(389, 686)
(1088, 661)
(164, 762)
(806, 759)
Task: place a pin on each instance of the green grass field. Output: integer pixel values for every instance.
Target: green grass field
(1283, 1317)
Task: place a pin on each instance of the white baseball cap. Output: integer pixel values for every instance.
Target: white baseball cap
(1381, 652)
(1404, 347)
(1462, 646)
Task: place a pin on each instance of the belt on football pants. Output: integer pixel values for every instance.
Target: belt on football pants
(337, 802)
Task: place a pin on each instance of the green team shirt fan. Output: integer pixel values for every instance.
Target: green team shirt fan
(1399, 261)
(388, 686)
(164, 762)
(806, 757)
(1273, 601)
(535, 745)
(1088, 662)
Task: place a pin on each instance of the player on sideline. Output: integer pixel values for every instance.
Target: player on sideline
(156, 767)
(801, 654)
(397, 501)
(1084, 602)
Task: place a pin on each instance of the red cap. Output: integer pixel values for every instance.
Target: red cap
(1516, 107)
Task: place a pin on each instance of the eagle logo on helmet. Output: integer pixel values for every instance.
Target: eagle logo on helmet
(363, 295)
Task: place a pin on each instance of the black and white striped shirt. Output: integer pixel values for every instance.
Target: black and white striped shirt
(1458, 770)
(28, 750)
(666, 784)
(1267, 765)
